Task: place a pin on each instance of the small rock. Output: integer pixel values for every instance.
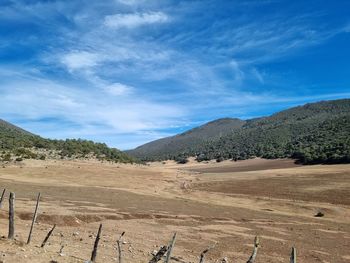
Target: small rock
(319, 214)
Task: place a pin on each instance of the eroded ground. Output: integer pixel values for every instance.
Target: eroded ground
(228, 203)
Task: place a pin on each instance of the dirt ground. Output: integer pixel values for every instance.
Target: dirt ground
(226, 204)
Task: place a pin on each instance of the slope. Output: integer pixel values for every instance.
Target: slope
(18, 144)
(169, 147)
(312, 133)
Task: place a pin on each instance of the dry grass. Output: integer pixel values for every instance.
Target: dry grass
(229, 202)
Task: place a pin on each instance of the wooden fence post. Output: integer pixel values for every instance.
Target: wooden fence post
(255, 251)
(34, 219)
(2, 197)
(159, 255)
(201, 259)
(97, 240)
(11, 216)
(119, 244)
(170, 249)
(293, 256)
(48, 236)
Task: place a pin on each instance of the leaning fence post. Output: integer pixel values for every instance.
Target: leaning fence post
(2, 197)
(293, 256)
(119, 241)
(159, 255)
(34, 219)
(201, 259)
(97, 240)
(170, 249)
(48, 236)
(11, 216)
(255, 251)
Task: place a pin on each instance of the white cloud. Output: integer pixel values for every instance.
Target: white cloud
(118, 89)
(92, 112)
(80, 59)
(258, 76)
(238, 73)
(132, 20)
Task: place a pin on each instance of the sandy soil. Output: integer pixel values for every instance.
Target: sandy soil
(225, 203)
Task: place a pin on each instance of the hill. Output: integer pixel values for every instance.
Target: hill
(312, 133)
(169, 147)
(18, 144)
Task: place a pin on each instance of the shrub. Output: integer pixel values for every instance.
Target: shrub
(181, 160)
(6, 157)
(219, 159)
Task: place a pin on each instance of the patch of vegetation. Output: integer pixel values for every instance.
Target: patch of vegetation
(171, 147)
(22, 144)
(181, 159)
(6, 157)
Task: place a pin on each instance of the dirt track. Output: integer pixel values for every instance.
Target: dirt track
(228, 203)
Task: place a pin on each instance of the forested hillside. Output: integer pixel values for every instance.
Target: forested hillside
(313, 133)
(18, 144)
(169, 147)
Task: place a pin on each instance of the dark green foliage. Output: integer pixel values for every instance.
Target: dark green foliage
(6, 157)
(24, 153)
(20, 143)
(219, 159)
(181, 159)
(171, 147)
(313, 133)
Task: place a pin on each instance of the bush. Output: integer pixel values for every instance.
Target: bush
(6, 157)
(181, 160)
(220, 159)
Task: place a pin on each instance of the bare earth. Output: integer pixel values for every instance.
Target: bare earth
(228, 203)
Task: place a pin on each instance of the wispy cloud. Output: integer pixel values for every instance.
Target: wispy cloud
(95, 113)
(80, 60)
(131, 2)
(135, 19)
(118, 89)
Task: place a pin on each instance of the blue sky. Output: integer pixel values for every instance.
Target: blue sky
(126, 72)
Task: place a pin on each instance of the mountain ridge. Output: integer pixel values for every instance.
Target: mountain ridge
(275, 136)
(193, 136)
